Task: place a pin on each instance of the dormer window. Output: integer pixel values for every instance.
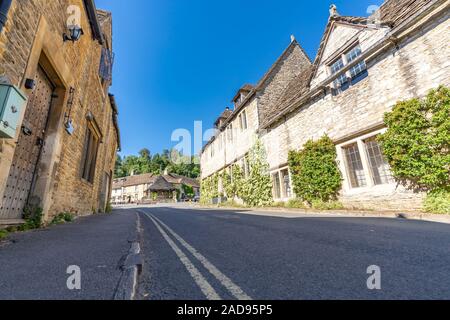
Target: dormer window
(353, 75)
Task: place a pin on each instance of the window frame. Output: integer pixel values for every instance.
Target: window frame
(351, 76)
(360, 141)
(90, 154)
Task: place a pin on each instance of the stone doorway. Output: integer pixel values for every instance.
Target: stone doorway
(28, 148)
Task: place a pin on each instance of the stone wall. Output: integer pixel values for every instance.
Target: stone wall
(34, 35)
(421, 63)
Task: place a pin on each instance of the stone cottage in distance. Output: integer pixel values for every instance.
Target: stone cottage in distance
(363, 67)
(60, 151)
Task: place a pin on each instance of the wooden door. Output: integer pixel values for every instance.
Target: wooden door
(28, 149)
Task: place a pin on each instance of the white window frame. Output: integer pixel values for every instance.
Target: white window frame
(360, 141)
(282, 191)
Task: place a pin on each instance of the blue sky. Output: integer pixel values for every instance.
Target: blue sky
(180, 61)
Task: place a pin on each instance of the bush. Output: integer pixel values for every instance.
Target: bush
(438, 202)
(417, 142)
(330, 205)
(315, 172)
(33, 217)
(296, 204)
(3, 234)
(62, 218)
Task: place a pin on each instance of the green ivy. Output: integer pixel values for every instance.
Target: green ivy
(255, 190)
(315, 172)
(417, 142)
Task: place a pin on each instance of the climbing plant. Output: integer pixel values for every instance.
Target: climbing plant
(257, 188)
(417, 146)
(315, 172)
(417, 142)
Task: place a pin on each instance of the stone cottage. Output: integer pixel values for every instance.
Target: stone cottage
(56, 62)
(139, 188)
(363, 67)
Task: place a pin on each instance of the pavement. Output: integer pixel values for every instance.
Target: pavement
(193, 253)
(33, 265)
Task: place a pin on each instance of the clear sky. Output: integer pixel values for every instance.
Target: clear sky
(180, 61)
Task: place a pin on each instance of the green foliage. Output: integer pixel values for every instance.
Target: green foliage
(257, 188)
(438, 202)
(315, 172)
(62, 218)
(188, 191)
(33, 218)
(295, 204)
(417, 142)
(330, 205)
(174, 161)
(209, 189)
(108, 208)
(3, 234)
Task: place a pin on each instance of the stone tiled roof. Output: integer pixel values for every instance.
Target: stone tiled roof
(149, 178)
(224, 116)
(161, 184)
(395, 12)
(298, 87)
(133, 180)
(177, 179)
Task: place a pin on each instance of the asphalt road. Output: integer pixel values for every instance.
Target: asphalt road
(216, 254)
(213, 254)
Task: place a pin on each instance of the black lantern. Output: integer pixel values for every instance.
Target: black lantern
(75, 33)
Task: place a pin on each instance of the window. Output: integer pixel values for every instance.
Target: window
(380, 168)
(230, 133)
(276, 186)
(355, 167)
(355, 73)
(243, 120)
(90, 155)
(342, 79)
(212, 150)
(286, 183)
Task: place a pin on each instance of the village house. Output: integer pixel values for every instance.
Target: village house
(148, 187)
(363, 67)
(59, 129)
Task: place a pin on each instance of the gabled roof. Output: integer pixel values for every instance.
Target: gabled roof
(224, 116)
(298, 87)
(246, 88)
(133, 180)
(267, 75)
(161, 184)
(178, 179)
(391, 13)
(349, 20)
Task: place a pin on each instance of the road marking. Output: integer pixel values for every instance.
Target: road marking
(203, 284)
(234, 289)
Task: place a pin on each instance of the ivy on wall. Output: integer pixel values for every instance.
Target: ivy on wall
(417, 146)
(254, 190)
(315, 172)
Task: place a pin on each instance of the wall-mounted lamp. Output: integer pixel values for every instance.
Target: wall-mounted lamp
(75, 33)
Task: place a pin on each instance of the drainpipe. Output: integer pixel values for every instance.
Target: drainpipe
(4, 8)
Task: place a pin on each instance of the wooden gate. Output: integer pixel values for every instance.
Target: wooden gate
(28, 149)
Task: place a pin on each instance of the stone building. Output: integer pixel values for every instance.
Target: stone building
(61, 152)
(138, 188)
(363, 67)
